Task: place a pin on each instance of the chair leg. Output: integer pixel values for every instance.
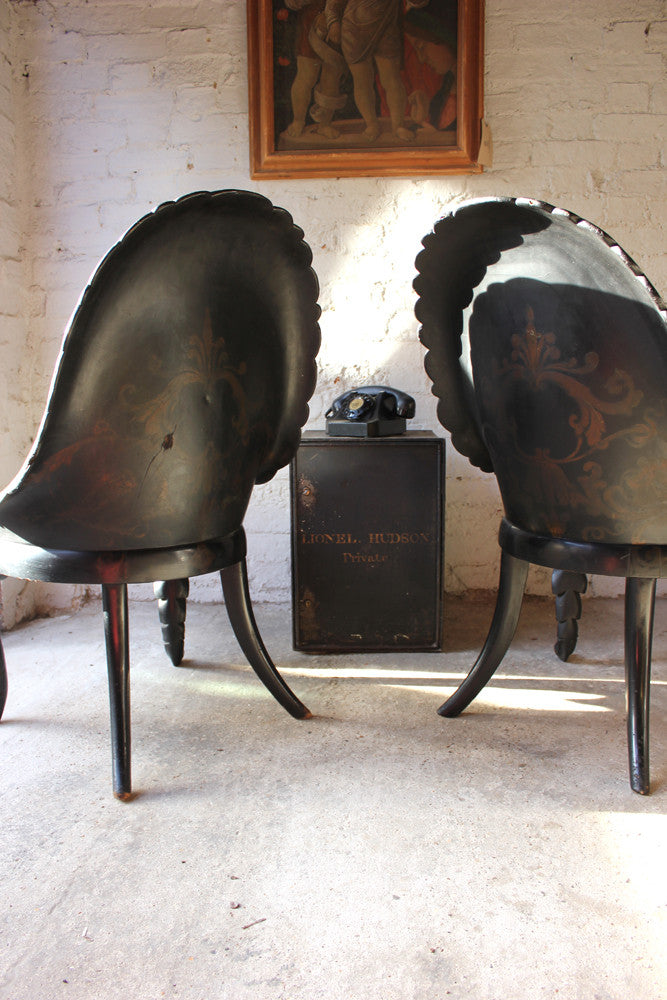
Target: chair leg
(239, 608)
(172, 601)
(3, 680)
(513, 573)
(639, 608)
(567, 588)
(114, 603)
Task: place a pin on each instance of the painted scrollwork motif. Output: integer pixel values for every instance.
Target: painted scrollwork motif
(568, 466)
(207, 366)
(165, 449)
(536, 360)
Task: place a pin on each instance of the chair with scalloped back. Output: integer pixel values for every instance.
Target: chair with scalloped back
(183, 380)
(547, 348)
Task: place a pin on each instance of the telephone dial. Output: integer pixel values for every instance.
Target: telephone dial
(370, 411)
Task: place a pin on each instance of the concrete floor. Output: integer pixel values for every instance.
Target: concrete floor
(374, 852)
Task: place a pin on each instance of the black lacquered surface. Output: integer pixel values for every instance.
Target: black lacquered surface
(368, 543)
(183, 380)
(547, 349)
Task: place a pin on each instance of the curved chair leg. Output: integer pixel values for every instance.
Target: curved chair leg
(639, 608)
(567, 588)
(172, 600)
(239, 608)
(3, 680)
(513, 573)
(114, 603)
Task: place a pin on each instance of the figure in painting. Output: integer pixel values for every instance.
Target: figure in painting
(369, 33)
(430, 63)
(319, 70)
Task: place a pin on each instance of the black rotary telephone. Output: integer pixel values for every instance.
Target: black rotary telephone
(370, 411)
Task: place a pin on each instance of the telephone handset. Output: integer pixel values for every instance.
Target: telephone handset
(370, 411)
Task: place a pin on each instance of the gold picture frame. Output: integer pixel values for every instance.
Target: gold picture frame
(312, 63)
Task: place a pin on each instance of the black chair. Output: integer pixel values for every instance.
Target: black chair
(183, 380)
(547, 348)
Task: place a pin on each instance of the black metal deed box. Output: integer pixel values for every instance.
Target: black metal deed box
(367, 543)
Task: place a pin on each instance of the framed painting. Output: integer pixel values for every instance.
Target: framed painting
(354, 88)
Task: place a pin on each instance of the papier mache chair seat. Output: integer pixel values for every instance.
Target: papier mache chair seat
(547, 348)
(183, 380)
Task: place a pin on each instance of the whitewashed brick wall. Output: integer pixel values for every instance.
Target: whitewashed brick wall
(110, 108)
(16, 598)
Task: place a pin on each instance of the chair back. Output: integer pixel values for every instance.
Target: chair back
(550, 361)
(183, 380)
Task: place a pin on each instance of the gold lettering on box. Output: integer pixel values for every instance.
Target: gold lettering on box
(398, 537)
(374, 538)
(363, 557)
(327, 538)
